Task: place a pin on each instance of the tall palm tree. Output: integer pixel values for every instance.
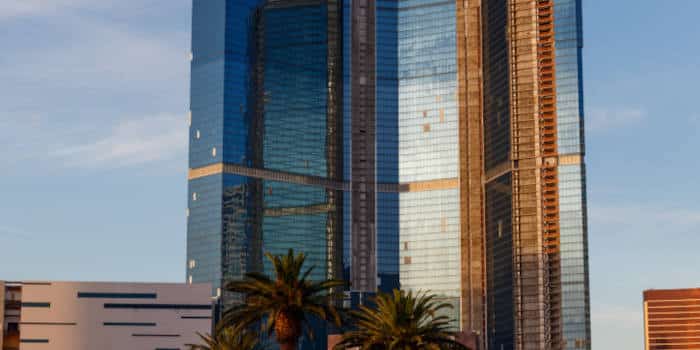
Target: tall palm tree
(401, 321)
(284, 303)
(227, 339)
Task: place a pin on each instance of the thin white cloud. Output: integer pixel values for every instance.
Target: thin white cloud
(131, 142)
(95, 69)
(602, 119)
(645, 215)
(22, 8)
(104, 55)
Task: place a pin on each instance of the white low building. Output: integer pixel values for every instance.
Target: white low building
(103, 316)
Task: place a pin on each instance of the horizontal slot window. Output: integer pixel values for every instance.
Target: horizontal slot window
(158, 306)
(44, 341)
(156, 335)
(48, 323)
(117, 295)
(35, 304)
(130, 324)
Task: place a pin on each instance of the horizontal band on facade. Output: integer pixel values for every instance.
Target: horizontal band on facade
(273, 175)
(48, 323)
(570, 159)
(506, 167)
(674, 337)
(117, 295)
(129, 324)
(300, 210)
(431, 185)
(676, 312)
(675, 306)
(689, 330)
(652, 301)
(225, 168)
(34, 341)
(277, 4)
(158, 306)
(35, 304)
(498, 170)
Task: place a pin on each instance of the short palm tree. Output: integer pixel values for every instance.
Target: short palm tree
(283, 304)
(227, 339)
(401, 321)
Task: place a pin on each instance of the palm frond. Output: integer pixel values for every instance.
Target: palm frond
(402, 320)
(227, 339)
(282, 303)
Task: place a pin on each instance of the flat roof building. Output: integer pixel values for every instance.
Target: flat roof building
(99, 315)
(672, 319)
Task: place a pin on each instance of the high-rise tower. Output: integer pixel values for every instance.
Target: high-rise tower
(427, 144)
(524, 247)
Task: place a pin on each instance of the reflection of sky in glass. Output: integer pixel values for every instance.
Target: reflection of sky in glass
(417, 140)
(428, 120)
(428, 146)
(387, 109)
(303, 232)
(294, 88)
(572, 188)
(219, 106)
(204, 230)
(574, 255)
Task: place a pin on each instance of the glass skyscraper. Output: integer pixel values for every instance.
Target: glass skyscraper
(423, 144)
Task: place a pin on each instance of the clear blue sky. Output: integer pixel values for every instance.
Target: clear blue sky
(93, 101)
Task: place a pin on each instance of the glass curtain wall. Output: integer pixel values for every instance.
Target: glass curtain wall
(572, 175)
(428, 148)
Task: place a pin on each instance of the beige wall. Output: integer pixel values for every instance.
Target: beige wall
(73, 323)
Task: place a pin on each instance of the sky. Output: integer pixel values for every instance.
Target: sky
(93, 146)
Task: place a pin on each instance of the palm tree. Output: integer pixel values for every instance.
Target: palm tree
(227, 339)
(283, 304)
(401, 321)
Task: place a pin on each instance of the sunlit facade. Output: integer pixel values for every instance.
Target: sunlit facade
(423, 144)
(36, 315)
(671, 319)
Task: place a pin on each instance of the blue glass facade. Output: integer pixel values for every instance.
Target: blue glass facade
(574, 257)
(429, 147)
(569, 44)
(387, 126)
(293, 42)
(386, 146)
(283, 155)
(264, 147)
(221, 77)
(572, 177)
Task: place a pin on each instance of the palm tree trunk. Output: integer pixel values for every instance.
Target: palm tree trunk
(288, 346)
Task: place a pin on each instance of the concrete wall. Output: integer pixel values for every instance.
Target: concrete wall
(60, 320)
